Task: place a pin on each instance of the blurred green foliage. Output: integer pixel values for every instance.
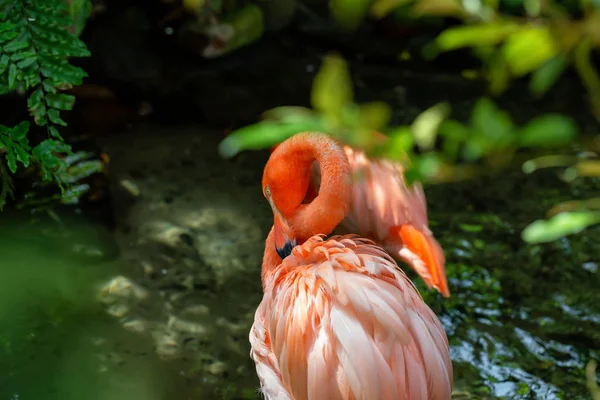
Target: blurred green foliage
(36, 40)
(539, 38)
(433, 148)
(227, 26)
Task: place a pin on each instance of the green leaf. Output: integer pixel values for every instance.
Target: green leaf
(46, 154)
(60, 101)
(332, 87)
(4, 60)
(289, 114)
(381, 8)
(349, 14)
(6, 26)
(483, 34)
(374, 116)
(454, 133)
(425, 126)
(263, 135)
(7, 36)
(400, 142)
(429, 165)
(545, 76)
(36, 98)
(54, 116)
(82, 170)
(12, 76)
(80, 11)
(26, 62)
(16, 45)
(493, 130)
(498, 73)
(548, 131)
(20, 131)
(54, 132)
(22, 155)
(49, 85)
(527, 49)
(533, 165)
(563, 224)
(11, 159)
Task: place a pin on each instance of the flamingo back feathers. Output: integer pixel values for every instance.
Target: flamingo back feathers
(340, 320)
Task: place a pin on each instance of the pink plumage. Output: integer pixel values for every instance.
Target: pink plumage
(339, 320)
(385, 209)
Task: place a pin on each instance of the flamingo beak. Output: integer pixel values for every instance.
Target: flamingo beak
(284, 236)
(426, 256)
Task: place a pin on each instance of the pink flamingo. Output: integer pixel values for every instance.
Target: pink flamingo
(385, 209)
(339, 319)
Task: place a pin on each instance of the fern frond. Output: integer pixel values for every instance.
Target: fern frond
(15, 144)
(35, 47)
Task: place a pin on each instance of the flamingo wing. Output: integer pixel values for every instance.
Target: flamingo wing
(385, 208)
(382, 198)
(343, 322)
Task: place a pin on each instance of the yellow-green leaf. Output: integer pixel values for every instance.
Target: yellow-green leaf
(475, 35)
(563, 224)
(527, 49)
(289, 114)
(400, 141)
(588, 168)
(332, 87)
(499, 74)
(375, 116)
(194, 5)
(442, 8)
(263, 135)
(454, 133)
(425, 126)
(533, 165)
(349, 14)
(381, 8)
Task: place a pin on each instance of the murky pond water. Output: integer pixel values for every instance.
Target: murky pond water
(170, 318)
(523, 320)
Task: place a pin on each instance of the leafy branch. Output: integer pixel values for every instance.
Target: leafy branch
(35, 45)
(490, 138)
(540, 41)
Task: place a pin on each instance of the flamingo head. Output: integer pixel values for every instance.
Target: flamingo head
(285, 182)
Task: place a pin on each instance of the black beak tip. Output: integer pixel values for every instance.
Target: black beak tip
(286, 250)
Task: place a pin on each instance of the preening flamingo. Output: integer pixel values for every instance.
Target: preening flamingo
(385, 209)
(338, 320)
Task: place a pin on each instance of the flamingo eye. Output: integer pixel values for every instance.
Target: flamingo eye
(267, 192)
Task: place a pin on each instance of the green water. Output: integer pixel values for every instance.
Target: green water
(522, 321)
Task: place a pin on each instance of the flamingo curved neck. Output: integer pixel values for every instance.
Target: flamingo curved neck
(270, 259)
(332, 203)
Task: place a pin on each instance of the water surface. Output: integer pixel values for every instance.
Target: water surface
(169, 319)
